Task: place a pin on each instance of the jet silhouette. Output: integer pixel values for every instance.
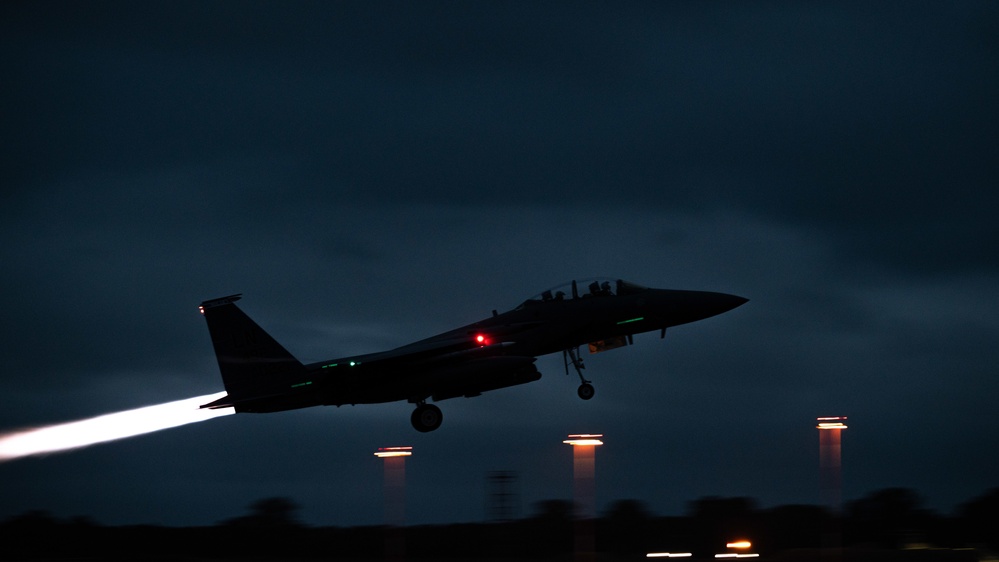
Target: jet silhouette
(262, 376)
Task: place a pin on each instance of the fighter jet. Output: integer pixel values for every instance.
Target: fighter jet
(261, 376)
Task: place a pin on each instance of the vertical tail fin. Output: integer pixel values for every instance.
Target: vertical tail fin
(252, 363)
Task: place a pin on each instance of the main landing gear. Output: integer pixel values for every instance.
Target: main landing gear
(426, 417)
(571, 355)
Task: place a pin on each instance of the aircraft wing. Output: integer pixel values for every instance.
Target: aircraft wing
(463, 362)
(470, 341)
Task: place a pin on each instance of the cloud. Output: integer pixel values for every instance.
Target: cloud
(368, 179)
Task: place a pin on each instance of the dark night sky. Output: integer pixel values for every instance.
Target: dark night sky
(372, 175)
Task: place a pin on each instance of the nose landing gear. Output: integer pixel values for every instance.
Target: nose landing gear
(571, 355)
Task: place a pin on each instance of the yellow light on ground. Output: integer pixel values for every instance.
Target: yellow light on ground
(584, 439)
(834, 422)
(386, 452)
(394, 463)
(739, 544)
(584, 445)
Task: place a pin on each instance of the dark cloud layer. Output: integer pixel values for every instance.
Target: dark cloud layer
(368, 176)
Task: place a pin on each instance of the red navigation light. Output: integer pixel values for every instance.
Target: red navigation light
(482, 340)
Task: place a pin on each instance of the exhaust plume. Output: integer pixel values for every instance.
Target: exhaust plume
(109, 427)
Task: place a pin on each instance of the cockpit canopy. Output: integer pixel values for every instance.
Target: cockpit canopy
(584, 288)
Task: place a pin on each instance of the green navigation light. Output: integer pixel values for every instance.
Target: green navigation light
(639, 319)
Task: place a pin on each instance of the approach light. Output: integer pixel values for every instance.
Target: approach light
(835, 422)
(385, 452)
(584, 439)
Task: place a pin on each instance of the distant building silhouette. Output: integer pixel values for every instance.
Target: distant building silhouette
(503, 502)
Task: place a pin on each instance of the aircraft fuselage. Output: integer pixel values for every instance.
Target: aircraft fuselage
(496, 352)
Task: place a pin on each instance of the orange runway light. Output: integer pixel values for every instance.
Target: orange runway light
(385, 452)
(584, 439)
(833, 422)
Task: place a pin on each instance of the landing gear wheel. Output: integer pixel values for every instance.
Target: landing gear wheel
(426, 417)
(585, 391)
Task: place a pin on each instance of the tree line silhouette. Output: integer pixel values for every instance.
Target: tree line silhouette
(884, 521)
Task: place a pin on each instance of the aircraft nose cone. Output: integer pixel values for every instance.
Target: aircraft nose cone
(706, 304)
(724, 303)
(681, 307)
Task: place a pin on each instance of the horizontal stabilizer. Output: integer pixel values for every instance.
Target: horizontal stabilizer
(224, 402)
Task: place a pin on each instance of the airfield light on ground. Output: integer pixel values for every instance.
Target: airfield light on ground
(584, 439)
(583, 485)
(835, 422)
(395, 483)
(830, 475)
(830, 459)
(739, 545)
(394, 459)
(386, 452)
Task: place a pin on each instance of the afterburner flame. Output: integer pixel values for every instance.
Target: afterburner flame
(108, 427)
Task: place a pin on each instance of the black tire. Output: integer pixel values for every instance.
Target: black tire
(586, 391)
(427, 418)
